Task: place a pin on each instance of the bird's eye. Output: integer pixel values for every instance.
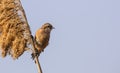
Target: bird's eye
(48, 26)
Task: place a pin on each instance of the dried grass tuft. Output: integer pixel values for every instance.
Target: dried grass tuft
(14, 29)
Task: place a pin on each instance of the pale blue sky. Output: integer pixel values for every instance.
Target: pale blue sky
(86, 38)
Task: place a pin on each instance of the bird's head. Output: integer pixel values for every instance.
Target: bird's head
(47, 27)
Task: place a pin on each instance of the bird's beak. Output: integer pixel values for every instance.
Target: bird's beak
(53, 27)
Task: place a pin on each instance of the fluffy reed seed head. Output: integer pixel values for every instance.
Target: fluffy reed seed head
(14, 30)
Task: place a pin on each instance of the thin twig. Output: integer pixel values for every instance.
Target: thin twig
(36, 58)
(33, 47)
(38, 65)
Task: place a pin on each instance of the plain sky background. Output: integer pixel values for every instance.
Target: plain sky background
(86, 38)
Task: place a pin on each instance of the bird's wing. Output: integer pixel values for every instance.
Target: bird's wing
(14, 29)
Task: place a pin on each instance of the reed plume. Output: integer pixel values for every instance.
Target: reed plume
(14, 29)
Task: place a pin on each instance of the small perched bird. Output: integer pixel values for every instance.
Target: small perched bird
(42, 36)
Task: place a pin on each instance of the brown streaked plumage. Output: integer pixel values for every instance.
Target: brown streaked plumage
(42, 36)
